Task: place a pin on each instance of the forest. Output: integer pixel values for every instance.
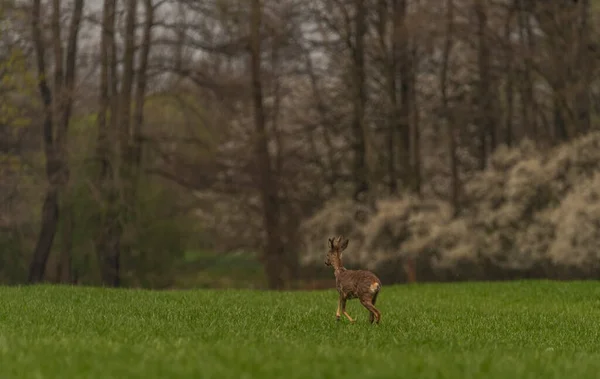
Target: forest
(220, 143)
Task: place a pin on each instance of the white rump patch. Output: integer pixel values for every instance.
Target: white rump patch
(374, 287)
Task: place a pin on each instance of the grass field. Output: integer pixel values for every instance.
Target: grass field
(477, 330)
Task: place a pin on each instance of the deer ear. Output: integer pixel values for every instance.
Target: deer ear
(330, 243)
(344, 245)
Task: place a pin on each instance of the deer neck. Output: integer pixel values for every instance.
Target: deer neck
(338, 267)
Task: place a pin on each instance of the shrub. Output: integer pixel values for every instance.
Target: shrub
(529, 214)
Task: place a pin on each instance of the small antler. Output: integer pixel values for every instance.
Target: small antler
(338, 243)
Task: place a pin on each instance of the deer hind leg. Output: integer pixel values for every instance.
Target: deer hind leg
(375, 314)
(344, 310)
(371, 313)
(373, 302)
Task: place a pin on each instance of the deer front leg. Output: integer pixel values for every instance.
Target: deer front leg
(337, 313)
(344, 310)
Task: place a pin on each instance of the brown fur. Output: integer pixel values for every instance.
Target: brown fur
(352, 284)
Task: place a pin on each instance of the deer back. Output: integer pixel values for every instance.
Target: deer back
(358, 283)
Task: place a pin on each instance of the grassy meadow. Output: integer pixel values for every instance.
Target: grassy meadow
(527, 329)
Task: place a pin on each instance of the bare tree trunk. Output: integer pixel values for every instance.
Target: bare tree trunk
(64, 269)
(486, 118)
(404, 106)
(125, 174)
(415, 125)
(289, 223)
(361, 169)
(331, 169)
(119, 145)
(37, 267)
(509, 89)
(268, 185)
(108, 236)
(133, 147)
(402, 136)
(390, 66)
(57, 114)
(389, 52)
(140, 94)
(565, 27)
(528, 119)
(584, 70)
(449, 113)
(103, 151)
(50, 208)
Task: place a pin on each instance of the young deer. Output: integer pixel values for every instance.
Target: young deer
(352, 284)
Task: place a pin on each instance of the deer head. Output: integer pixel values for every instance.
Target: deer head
(336, 246)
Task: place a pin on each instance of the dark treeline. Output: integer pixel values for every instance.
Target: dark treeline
(449, 140)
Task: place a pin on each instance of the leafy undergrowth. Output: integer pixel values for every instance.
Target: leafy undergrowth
(207, 269)
(468, 330)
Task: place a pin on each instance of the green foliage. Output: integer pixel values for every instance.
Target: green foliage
(17, 83)
(158, 236)
(13, 267)
(209, 269)
(18, 179)
(186, 117)
(154, 238)
(478, 330)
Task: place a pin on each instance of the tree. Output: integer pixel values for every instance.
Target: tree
(119, 144)
(486, 119)
(268, 187)
(58, 102)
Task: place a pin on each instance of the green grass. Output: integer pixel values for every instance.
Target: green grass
(477, 330)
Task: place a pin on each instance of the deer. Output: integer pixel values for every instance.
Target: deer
(352, 284)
